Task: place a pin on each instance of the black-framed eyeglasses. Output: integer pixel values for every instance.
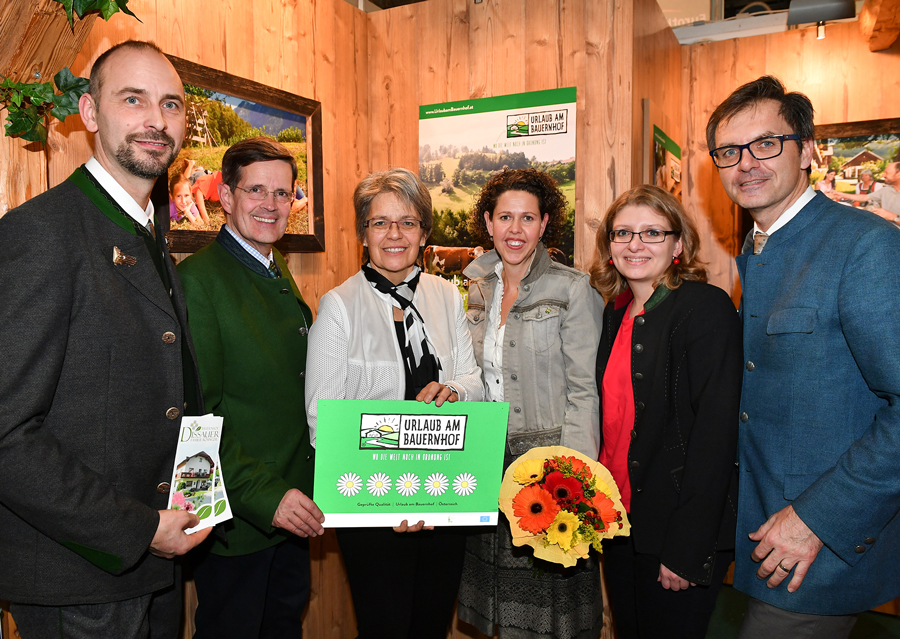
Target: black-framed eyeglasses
(764, 148)
(650, 236)
(382, 224)
(258, 193)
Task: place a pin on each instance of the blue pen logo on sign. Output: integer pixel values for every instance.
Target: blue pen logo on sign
(412, 432)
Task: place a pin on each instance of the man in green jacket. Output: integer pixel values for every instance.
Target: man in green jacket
(250, 326)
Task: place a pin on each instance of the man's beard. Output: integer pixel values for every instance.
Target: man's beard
(157, 162)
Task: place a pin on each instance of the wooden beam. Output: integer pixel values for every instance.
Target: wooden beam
(879, 23)
(37, 39)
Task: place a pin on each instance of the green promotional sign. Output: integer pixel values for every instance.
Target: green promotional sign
(380, 462)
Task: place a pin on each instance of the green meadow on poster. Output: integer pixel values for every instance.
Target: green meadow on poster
(380, 462)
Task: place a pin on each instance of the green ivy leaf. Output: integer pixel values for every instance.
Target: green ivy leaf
(16, 98)
(123, 5)
(72, 87)
(67, 5)
(27, 124)
(66, 82)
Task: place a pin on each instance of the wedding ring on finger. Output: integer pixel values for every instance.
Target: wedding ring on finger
(786, 570)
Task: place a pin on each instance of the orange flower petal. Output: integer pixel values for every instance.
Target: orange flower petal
(535, 508)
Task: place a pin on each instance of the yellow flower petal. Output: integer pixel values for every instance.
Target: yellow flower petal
(529, 472)
(562, 529)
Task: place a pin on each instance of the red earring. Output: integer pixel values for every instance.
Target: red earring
(675, 260)
(610, 261)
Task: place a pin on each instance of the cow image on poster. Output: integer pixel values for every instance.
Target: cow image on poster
(449, 260)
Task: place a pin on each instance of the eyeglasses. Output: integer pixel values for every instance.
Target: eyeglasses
(765, 148)
(651, 236)
(382, 225)
(257, 193)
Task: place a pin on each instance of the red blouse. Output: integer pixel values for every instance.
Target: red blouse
(617, 395)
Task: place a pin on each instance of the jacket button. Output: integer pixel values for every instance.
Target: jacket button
(633, 434)
(516, 315)
(517, 410)
(870, 540)
(635, 464)
(163, 488)
(860, 550)
(477, 317)
(514, 377)
(173, 413)
(745, 417)
(639, 376)
(640, 405)
(302, 374)
(284, 291)
(527, 287)
(639, 320)
(707, 566)
(750, 366)
(638, 348)
(168, 337)
(303, 331)
(640, 490)
(512, 342)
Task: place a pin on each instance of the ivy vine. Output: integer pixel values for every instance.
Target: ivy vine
(29, 106)
(106, 8)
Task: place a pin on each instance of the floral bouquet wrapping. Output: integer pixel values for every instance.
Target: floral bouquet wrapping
(561, 503)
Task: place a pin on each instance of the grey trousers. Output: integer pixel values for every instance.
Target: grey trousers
(764, 621)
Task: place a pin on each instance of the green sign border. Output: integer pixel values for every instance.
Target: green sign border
(512, 102)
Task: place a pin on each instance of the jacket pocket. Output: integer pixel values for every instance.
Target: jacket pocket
(542, 323)
(792, 320)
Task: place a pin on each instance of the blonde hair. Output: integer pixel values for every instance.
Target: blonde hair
(604, 276)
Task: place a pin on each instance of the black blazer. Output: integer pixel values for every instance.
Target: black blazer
(686, 361)
(91, 395)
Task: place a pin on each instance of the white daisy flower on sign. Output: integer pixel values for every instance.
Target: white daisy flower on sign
(436, 484)
(465, 484)
(349, 484)
(379, 484)
(408, 484)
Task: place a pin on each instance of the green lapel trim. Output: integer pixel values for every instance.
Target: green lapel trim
(84, 184)
(662, 292)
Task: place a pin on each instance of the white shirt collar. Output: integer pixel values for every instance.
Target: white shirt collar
(791, 212)
(259, 257)
(119, 194)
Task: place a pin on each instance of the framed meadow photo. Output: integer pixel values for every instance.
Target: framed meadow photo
(223, 109)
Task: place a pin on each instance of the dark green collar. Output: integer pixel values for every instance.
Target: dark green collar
(85, 182)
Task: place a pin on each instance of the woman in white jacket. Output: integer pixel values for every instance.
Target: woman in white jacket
(392, 332)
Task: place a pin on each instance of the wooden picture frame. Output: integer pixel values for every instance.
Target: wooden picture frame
(189, 241)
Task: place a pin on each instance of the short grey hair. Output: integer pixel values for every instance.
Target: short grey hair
(403, 183)
(867, 172)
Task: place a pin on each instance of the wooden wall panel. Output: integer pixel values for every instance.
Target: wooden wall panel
(845, 81)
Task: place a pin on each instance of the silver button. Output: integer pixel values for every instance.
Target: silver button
(516, 315)
(750, 366)
(639, 320)
(303, 331)
(284, 291)
(512, 343)
(517, 410)
(745, 417)
(527, 287)
(638, 348)
(638, 376)
(514, 377)
(302, 374)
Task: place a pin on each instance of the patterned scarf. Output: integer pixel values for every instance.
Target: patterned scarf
(420, 363)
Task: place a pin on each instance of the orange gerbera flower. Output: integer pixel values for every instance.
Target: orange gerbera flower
(606, 508)
(535, 509)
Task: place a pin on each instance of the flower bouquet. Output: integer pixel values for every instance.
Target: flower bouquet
(561, 503)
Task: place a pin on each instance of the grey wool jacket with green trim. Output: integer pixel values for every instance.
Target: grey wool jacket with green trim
(251, 349)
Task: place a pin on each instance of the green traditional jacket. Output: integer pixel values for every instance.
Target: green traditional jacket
(250, 335)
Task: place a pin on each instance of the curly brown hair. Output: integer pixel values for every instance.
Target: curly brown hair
(604, 276)
(551, 202)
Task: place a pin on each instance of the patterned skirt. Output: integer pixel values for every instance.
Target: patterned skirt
(506, 590)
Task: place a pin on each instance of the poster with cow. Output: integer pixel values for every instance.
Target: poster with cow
(461, 144)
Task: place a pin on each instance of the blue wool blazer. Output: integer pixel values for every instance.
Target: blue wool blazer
(820, 419)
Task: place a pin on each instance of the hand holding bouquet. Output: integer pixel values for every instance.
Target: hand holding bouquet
(561, 503)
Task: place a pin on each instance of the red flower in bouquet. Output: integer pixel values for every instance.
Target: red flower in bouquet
(563, 489)
(535, 509)
(605, 509)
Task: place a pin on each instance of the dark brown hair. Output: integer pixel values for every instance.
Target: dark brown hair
(251, 151)
(551, 202)
(604, 276)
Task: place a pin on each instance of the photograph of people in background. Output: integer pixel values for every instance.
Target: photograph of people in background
(861, 172)
(215, 122)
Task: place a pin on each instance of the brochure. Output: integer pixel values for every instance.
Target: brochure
(198, 484)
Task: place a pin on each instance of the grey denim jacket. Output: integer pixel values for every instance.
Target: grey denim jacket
(549, 353)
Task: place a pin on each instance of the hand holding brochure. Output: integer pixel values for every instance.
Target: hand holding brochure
(198, 485)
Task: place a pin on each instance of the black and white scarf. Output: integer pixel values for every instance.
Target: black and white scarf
(421, 364)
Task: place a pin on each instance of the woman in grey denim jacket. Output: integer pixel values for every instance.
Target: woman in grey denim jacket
(535, 327)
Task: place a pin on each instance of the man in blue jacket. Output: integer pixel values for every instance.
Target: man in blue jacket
(818, 537)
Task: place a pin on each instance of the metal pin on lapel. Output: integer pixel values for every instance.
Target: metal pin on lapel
(120, 258)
